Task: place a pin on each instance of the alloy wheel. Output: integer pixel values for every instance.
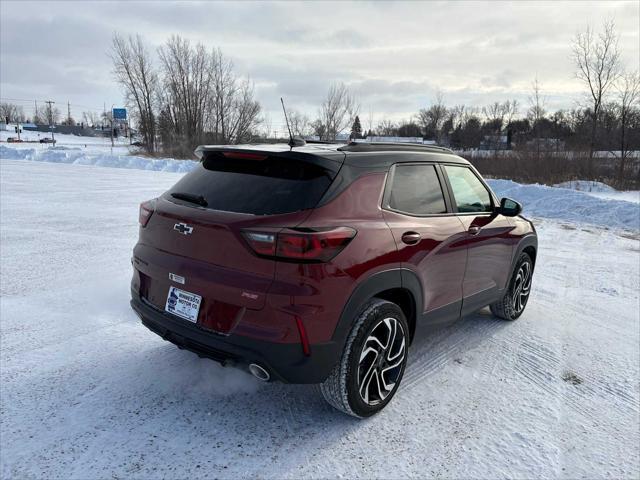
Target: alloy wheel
(522, 287)
(381, 361)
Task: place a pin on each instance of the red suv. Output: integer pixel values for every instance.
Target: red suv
(321, 264)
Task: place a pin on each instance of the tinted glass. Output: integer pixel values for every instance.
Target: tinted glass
(416, 190)
(469, 193)
(260, 187)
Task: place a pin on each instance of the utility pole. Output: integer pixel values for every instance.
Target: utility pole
(50, 112)
(111, 118)
(68, 113)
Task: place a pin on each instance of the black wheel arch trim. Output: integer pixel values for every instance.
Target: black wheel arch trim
(397, 278)
(530, 240)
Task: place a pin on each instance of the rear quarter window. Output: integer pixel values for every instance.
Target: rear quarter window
(269, 186)
(416, 190)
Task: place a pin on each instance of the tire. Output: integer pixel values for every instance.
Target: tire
(378, 342)
(515, 299)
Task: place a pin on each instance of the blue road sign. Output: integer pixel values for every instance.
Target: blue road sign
(119, 113)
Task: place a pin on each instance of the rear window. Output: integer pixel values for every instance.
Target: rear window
(260, 187)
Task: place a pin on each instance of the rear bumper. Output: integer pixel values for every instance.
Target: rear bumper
(284, 361)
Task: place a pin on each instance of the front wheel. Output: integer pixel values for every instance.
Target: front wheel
(514, 301)
(373, 361)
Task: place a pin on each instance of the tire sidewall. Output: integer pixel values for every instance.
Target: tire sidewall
(384, 310)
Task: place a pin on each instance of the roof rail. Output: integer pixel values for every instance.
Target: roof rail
(392, 146)
(325, 142)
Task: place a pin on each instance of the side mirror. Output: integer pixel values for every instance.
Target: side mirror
(509, 208)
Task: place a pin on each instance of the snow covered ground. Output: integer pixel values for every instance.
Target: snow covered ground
(87, 392)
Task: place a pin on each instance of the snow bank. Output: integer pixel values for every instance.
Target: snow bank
(570, 205)
(606, 208)
(81, 157)
(601, 190)
(586, 186)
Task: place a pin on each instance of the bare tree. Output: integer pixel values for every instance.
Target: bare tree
(431, 119)
(536, 112)
(244, 116)
(369, 121)
(597, 61)
(495, 114)
(300, 124)
(90, 118)
(386, 128)
(319, 129)
(51, 114)
(134, 70)
(235, 110)
(267, 126)
(187, 76)
(338, 110)
(11, 112)
(628, 88)
(510, 108)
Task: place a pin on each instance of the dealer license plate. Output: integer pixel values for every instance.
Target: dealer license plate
(183, 304)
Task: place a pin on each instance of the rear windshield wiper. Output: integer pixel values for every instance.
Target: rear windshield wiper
(190, 197)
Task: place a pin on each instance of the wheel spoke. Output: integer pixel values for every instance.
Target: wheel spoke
(366, 352)
(395, 364)
(376, 341)
(382, 395)
(366, 381)
(381, 358)
(391, 357)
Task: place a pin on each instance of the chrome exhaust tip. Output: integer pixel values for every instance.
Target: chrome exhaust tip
(259, 372)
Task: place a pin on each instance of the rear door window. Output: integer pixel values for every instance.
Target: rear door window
(416, 190)
(470, 195)
(266, 186)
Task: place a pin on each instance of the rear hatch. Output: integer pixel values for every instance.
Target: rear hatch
(194, 238)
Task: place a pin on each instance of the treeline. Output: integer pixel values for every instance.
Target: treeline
(467, 128)
(185, 96)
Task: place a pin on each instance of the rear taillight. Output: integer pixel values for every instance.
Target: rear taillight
(310, 245)
(146, 210)
(261, 242)
(244, 155)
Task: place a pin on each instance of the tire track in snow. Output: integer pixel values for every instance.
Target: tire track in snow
(434, 353)
(544, 368)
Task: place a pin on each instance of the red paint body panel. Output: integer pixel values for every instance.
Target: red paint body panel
(490, 252)
(438, 259)
(279, 301)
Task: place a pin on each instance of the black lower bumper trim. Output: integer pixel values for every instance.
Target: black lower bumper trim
(284, 361)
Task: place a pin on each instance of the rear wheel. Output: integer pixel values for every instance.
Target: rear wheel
(372, 363)
(514, 301)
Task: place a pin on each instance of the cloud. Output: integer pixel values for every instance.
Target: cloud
(394, 55)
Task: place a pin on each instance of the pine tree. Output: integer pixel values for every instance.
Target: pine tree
(356, 129)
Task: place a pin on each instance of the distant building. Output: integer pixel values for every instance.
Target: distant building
(546, 144)
(345, 137)
(68, 129)
(390, 139)
(495, 142)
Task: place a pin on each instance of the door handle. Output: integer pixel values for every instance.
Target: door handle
(474, 230)
(411, 238)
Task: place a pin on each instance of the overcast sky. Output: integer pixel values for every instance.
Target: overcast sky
(394, 55)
